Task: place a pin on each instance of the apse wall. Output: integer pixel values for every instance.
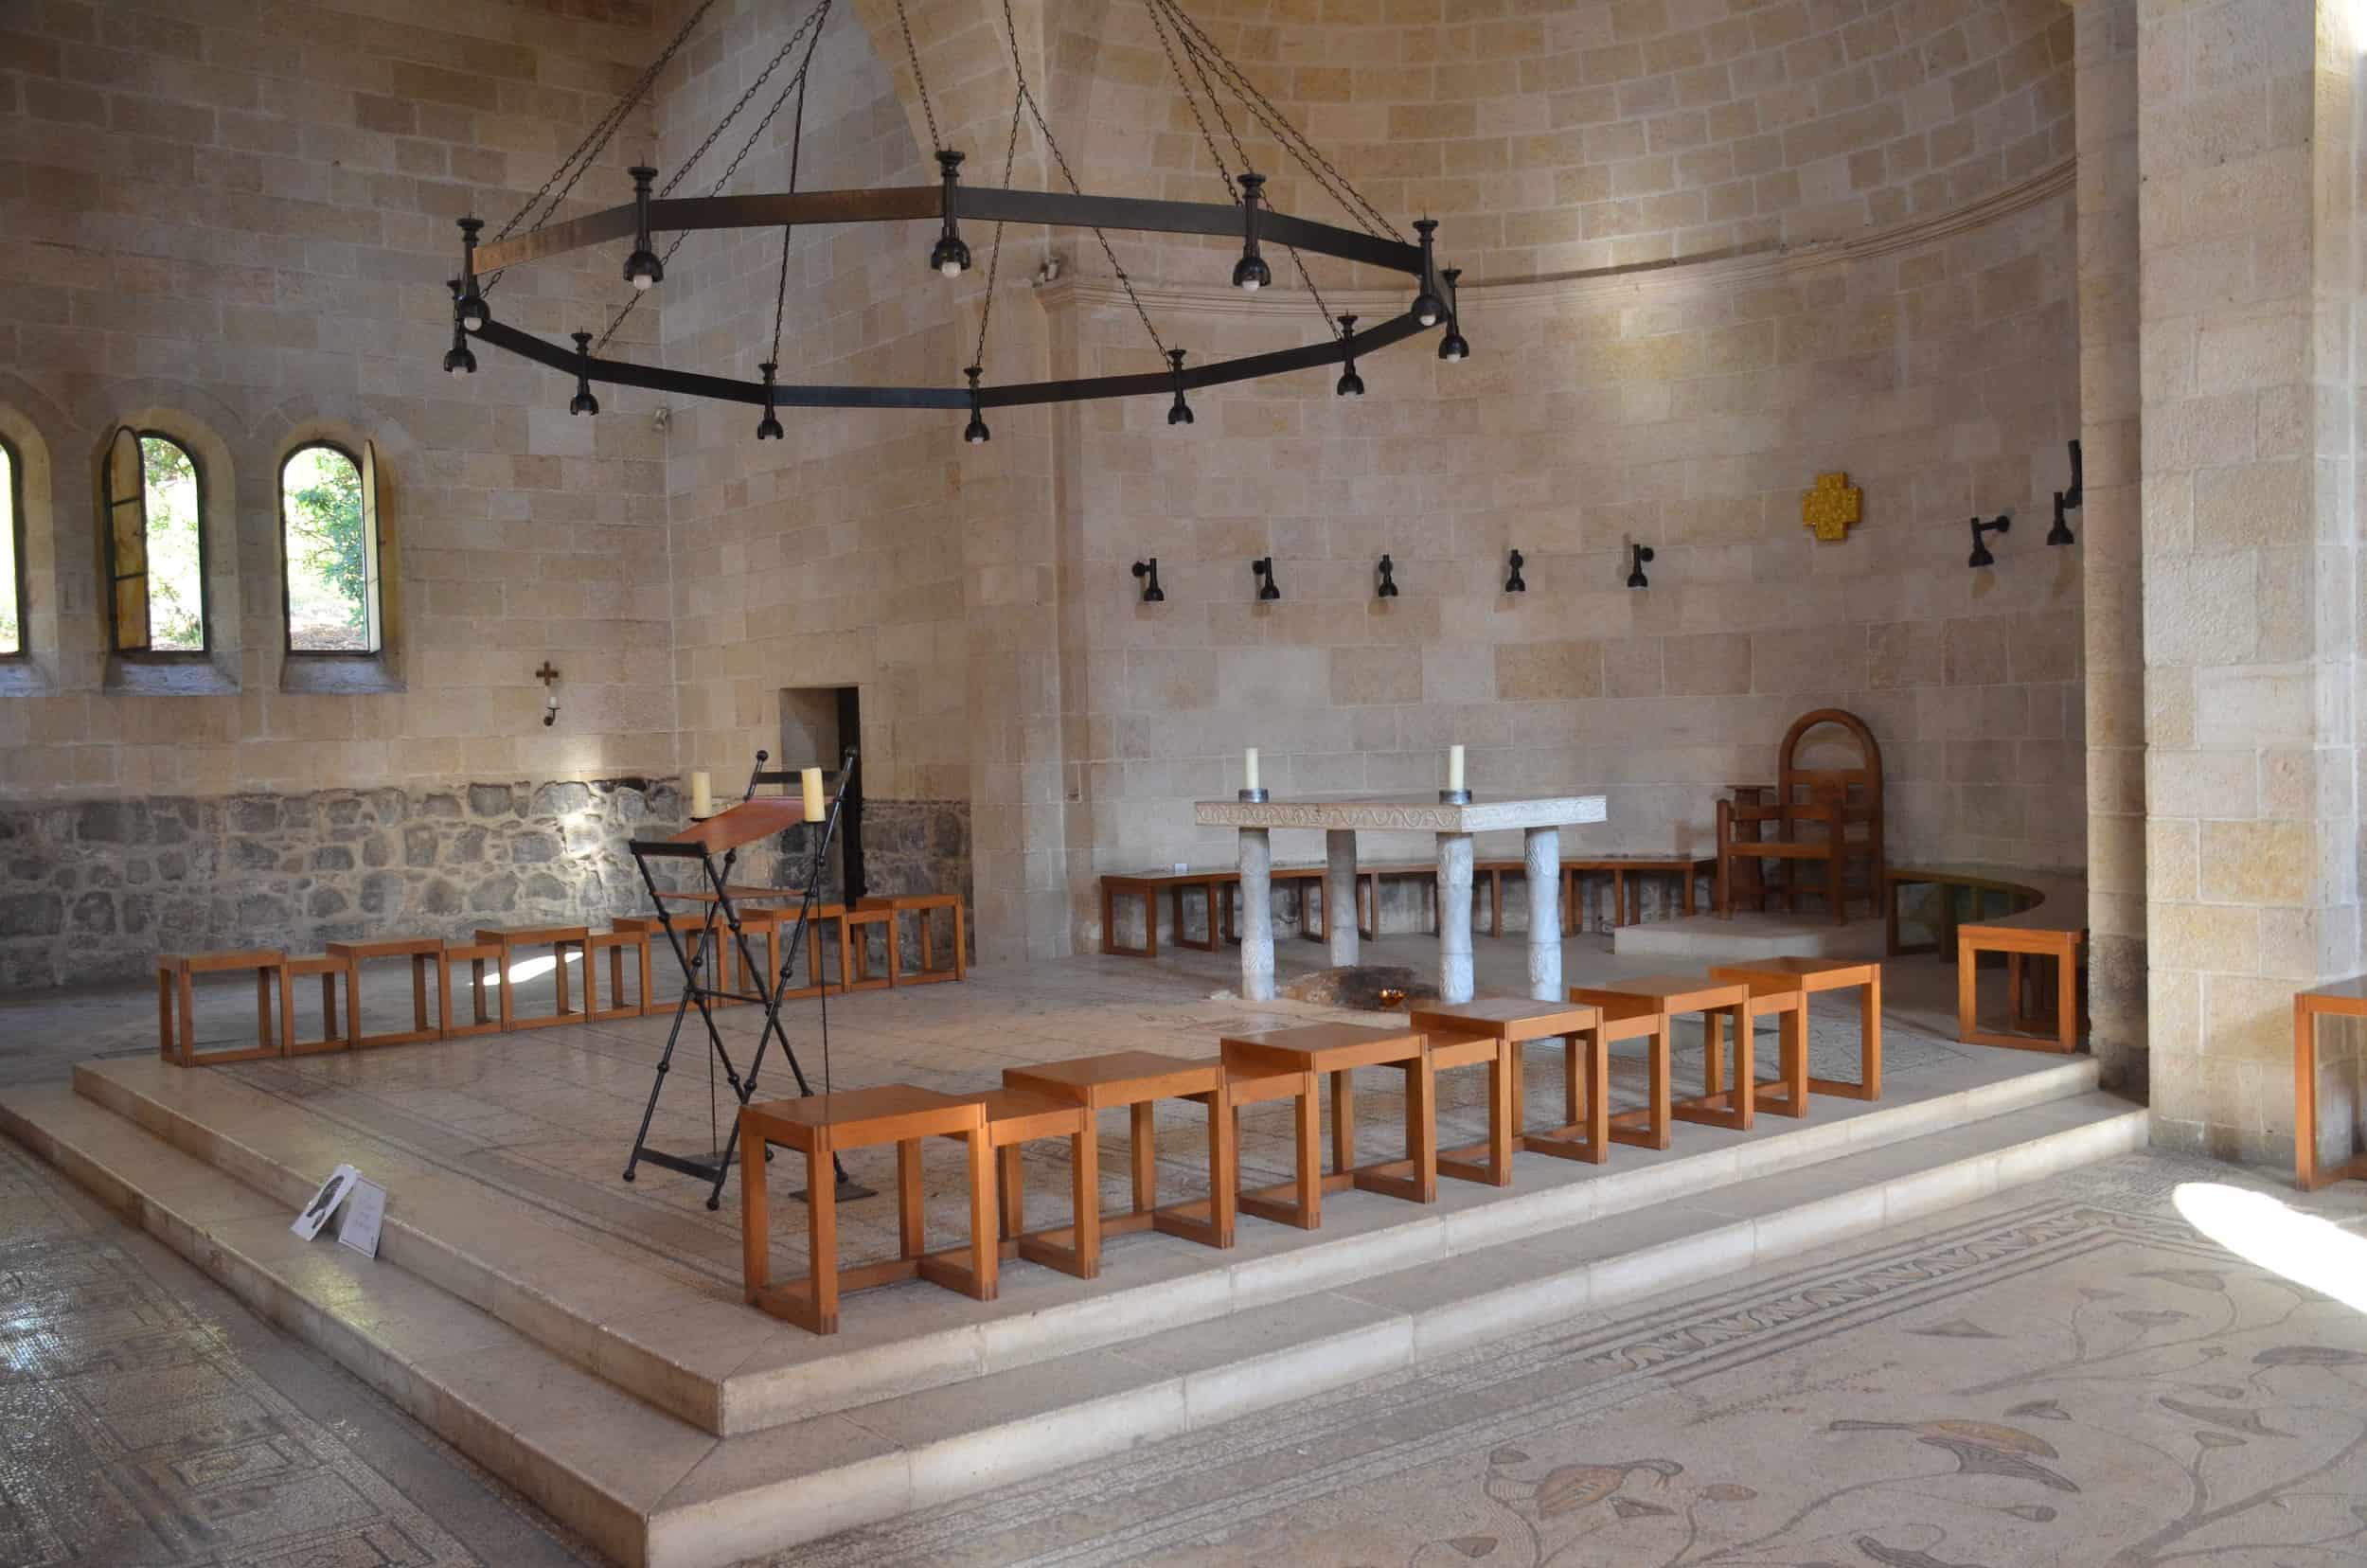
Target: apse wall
(1687, 409)
(233, 223)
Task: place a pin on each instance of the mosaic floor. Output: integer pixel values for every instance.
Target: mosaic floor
(151, 1420)
(2078, 1373)
(2072, 1375)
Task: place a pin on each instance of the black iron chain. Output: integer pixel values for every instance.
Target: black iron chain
(797, 149)
(921, 83)
(994, 262)
(594, 140)
(1028, 97)
(795, 83)
(1159, 25)
(1197, 42)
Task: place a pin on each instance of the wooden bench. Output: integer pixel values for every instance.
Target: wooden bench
(176, 1003)
(2048, 918)
(2335, 999)
(1213, 888)
(1624, 910)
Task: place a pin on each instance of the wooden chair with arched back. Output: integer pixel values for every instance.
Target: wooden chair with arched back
(1819, 814)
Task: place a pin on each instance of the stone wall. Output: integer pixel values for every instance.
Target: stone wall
(233, 222)
(94, 891)
(1685, 407)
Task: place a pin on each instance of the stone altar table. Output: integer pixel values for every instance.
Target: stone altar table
(1339, 817)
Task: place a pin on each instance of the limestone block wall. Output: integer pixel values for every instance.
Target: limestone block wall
(1684, 408)
(2249, 318)
(234, 223)
(1551, 139)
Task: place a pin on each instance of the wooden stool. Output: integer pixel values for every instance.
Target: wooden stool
(1643, 1009)
(176, 1000)
(1137, 1080)
(823, 1125)
(1017, 1116)
(854, 950)
(616, 941)
(482, 1020)
(2335, 999)
(2032, 938)
(426, 954)
(1307, 1054)
(1823, 974)
(559, 939)
(1777, 997)
(921, 907)
(330, 968)
(1458, 1031)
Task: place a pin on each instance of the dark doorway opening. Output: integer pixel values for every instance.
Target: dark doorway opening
(818, 724)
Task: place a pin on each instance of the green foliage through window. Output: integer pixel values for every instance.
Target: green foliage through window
(327, 552)
(11, 588)
(176, 572)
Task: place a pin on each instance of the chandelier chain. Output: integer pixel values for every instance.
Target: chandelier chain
(1192, 100)
(921, 83)
(682, 171)
(812, 20)
(594, 140)
(994, 259)
(1027, 97)
(1309, 158)
(1160, 26)
(797, 149)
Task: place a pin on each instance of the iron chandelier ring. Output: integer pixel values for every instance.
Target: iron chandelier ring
(987, 204)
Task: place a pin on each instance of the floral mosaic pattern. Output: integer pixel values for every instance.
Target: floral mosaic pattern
(2071, 1375)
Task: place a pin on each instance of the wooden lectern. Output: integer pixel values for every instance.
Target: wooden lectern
(714, 845)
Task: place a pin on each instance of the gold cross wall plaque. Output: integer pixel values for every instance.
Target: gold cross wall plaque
(1832, 506)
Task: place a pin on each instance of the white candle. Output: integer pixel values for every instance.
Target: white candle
(1454, 767)
(1248, 759)
(701, 795)
(811, 780)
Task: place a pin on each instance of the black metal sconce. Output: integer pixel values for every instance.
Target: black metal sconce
(2078, 491)
(1148, 572)
(1181, 414)
(949, 257)
(642, 268)
(1514, 584)
(1635, 572)
(548, 675)
(1452, 349)
(1263, 569)
(1350, 385)
(2060, 533)
(1981, 556)
(1388, 588)
(584, 401)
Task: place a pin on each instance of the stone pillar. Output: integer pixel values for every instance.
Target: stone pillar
(2110, 547)
(1542, 871)
(2249, 320)
(1257, 915)
(1454, 918)
(1340, 894)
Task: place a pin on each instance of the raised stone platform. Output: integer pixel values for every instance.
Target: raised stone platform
(588, 1342)
(1705, 939)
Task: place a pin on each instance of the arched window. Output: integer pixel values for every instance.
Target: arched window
(12, 554)
(329, 549)
(155, 544)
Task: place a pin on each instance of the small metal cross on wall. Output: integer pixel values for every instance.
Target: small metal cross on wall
(546, 674)
(1832, 506)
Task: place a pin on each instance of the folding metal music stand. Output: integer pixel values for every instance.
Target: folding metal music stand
(754, 818)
